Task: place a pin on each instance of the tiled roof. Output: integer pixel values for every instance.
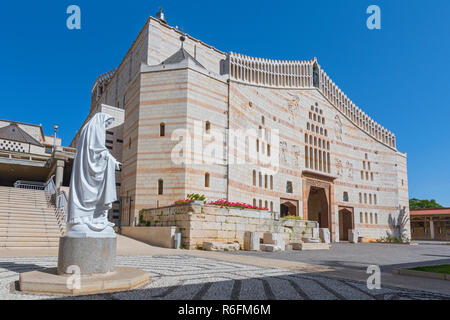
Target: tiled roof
(14, 133)
(179, 56)
(427, 212)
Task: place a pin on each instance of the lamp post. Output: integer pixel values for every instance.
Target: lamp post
(54, 139)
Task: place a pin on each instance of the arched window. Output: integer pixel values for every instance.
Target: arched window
(207, 180)
(260, 180)
(289, 188)
(361, 219)
(271, 182)
(345, 196)
(160, 186)
(266, 204)
(271, 206)
(254, 202)
(254, 178)
(266, 182)
(162, 129)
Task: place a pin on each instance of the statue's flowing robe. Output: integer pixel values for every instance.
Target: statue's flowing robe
(92, 184)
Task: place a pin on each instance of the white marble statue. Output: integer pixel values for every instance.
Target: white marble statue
(92, 184)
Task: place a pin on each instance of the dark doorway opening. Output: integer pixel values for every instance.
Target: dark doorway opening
(318, 207)
(345, 223)
(288, 207)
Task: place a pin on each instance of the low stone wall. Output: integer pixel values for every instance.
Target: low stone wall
(158, 236)
(199, 223)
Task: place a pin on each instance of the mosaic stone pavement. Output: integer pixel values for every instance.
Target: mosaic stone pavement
(193, 278)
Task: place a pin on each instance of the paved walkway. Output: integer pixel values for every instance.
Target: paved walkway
(335, 274)
(186, 277)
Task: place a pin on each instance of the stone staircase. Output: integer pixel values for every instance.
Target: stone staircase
(28, 219)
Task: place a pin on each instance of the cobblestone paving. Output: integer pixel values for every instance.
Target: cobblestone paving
(186, 278)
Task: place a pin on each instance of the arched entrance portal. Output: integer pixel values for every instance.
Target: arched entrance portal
(288, 207)
(345, 223)
(318, 207)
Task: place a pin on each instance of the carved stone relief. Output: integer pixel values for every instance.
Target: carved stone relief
(283, 152)
(349, 166)
(293, 107)
(338, 131)
(296, 151)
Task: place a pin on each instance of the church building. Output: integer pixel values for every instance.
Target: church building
(329, 161)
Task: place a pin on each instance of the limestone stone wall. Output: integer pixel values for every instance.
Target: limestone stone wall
(199, 223)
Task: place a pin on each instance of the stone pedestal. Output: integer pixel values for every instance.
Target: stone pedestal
(85, 266)
(353, 236)
(324, 233)
(90, 255)
(251, 241)
(315, 233)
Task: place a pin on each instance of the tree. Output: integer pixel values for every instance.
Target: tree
(415, 203)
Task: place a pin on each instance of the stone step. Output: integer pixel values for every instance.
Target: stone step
(21, 244)
(26, 214)
(29, 234)
(310, 246)
(28, 239)
(30, 229)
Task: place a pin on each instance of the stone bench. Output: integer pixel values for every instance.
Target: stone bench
(310, 246)
(220, 246)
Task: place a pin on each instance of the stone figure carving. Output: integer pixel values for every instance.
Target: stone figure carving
(296, 151)
(283, 153)
(349, 166)
(92, 184)
(339, 168)
(293, 106)
(338, 128)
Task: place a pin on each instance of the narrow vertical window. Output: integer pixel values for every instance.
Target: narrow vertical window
(162, 129)
(266, 182)
(207, 180)
(271, 182)
(254, 178)
(160, 186)
(271, 206)
(254, 202)
(260, 180)
(208, 126)
(361, 219)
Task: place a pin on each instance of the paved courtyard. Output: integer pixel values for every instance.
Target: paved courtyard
(359, 256)
(188, 277)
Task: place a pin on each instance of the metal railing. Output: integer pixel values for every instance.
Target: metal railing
(32, 185)
(59, 201)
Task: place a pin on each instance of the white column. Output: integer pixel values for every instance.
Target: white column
(59, 173)
(431, 228)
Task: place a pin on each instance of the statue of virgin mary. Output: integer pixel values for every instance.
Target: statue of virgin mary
(92, 184)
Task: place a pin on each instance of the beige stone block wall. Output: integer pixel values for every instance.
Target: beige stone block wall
(157, 236)
(199, 223)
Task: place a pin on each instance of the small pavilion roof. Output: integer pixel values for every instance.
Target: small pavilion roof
(180, 56)
(14, 133)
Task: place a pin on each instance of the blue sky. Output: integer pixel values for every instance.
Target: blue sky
(398, 75)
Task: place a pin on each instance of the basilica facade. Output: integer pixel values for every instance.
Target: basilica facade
(328, 161)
